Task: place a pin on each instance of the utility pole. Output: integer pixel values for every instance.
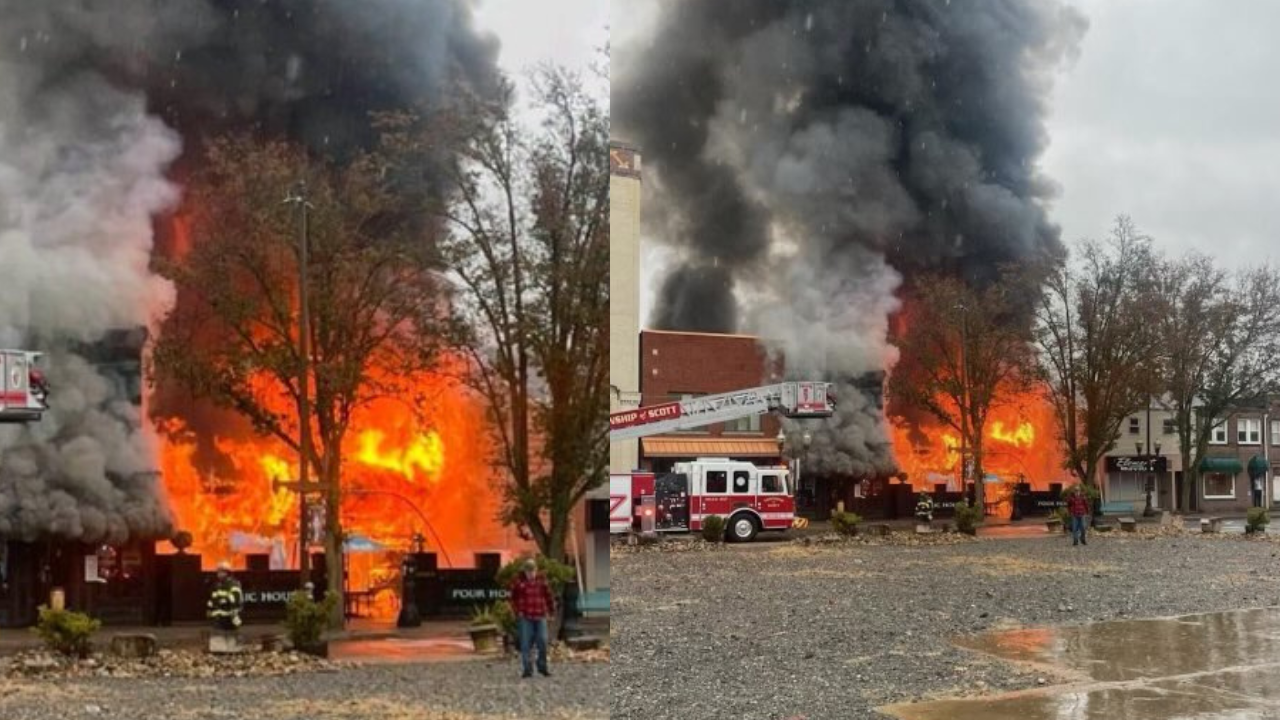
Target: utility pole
(299, 197)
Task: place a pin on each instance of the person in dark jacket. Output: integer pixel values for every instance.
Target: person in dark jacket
(1078, 508)
(226, 601)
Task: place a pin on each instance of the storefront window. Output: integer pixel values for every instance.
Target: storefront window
(1219, 485)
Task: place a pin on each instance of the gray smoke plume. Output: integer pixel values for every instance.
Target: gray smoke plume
(98, 101)
(805, 157)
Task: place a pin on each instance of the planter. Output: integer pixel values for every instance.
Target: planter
(1054, 525)
(320, 648)
(484, 638)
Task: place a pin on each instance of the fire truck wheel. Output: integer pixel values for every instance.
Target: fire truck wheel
(742, 528)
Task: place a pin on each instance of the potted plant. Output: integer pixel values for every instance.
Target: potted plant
(484, 629)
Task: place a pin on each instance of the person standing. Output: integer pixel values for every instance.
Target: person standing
(533, 603)
(1078, 508)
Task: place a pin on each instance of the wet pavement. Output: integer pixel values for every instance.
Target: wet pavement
(1219, 666)
(404, 650)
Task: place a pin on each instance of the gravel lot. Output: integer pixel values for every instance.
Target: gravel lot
(785, 631)
(459, 690)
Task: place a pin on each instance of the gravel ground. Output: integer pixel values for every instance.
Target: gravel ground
(460, 690)
(785, 631)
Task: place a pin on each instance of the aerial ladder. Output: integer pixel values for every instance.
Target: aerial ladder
(24, 392)
(795, 400)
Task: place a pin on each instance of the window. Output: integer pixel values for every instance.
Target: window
(1170, 427)
(1133, 426)
(770, 483)
(717, 481)
(741, 482)
(1218, 435)
(1275, 432)
(749, 424)
(1219, 485)
(1249, 431)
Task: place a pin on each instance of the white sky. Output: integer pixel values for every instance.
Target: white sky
(1169, 115)
(569, 32)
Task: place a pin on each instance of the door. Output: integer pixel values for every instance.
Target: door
(775, 504)
(713, 496)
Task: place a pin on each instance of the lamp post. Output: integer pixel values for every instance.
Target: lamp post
(1149, 462)
(299, 197)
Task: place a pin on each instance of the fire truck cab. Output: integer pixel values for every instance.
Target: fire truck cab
(751, 499)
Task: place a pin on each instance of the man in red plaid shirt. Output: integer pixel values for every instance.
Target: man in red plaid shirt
(532, 602)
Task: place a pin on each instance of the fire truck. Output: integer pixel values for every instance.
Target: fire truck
(750, 498)
(24, 393)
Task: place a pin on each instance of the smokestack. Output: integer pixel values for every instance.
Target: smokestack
(818, 154)
(96, 103)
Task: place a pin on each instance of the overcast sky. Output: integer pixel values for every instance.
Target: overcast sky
(1169, 114)
(569, 32)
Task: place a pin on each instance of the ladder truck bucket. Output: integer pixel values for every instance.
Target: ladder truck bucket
(24, 392)
(807, 399)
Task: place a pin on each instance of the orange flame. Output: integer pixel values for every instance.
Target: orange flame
(1021, 445)
(404, 473)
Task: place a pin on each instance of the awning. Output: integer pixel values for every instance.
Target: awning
(670, 447)
(1257, 467)
(1230, 466)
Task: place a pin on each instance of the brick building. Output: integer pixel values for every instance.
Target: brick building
(1243, 455)
(680, 365)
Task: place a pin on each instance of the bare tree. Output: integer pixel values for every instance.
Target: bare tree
(1098, 341)
(529, 249)
(233, 337)
(1221, 335)
(965, 351)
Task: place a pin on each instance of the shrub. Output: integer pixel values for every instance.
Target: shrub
(504, 617)
(967, 518)
(1061, 515)
(846, 523)
(1257, 521)
(483, 615)
(713, 528)
(306, 619)
(66, 632)
(556, 573)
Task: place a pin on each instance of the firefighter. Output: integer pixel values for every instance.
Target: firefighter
(226, 601)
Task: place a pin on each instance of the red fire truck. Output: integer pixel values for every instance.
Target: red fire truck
(23, 392)
(750, 498)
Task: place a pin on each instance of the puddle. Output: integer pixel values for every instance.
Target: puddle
(1217, 666)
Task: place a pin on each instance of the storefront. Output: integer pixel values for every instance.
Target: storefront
(1231, 484)
(1130, 477)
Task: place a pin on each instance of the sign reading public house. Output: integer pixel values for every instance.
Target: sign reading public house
(1138, 464)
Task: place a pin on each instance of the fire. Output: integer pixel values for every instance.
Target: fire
(424, 455)
(405, 472)
(1021, 445)
(1021, 436)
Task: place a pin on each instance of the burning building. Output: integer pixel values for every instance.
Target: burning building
(103, 109)
(803, 160)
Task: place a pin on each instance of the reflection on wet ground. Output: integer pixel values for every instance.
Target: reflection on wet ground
(1219, 666)
(401, 650)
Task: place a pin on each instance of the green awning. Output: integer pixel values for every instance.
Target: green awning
(1257, 467)
(1230, 466)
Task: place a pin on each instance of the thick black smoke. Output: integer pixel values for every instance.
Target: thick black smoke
(99, 101)
(308, 70)
(804, 156)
